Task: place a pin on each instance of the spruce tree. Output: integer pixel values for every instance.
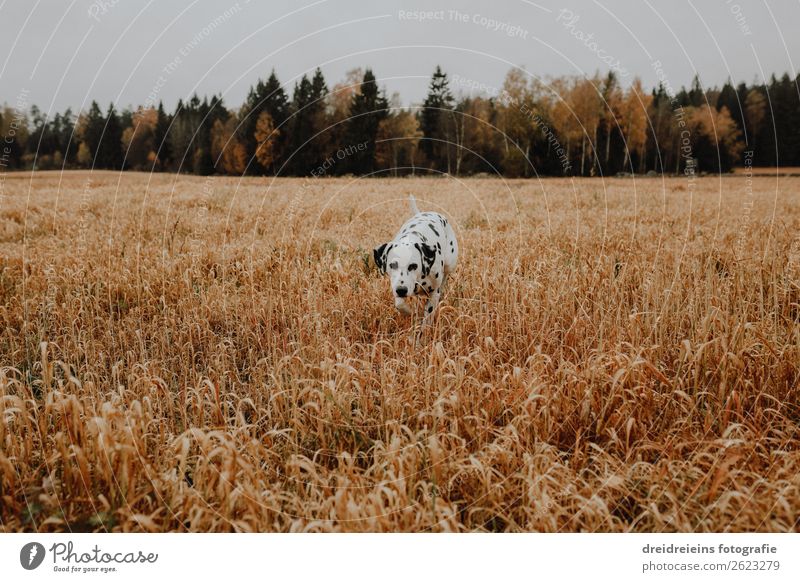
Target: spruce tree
(110, 152)
(729, 98)
(368, 108)
(300, 130)
(435, 120)
(179, 137)
(160, 138)
(203, 163)
(306, 144)
(67, 144)
(696, 95)
(319, 119)
(269, 97)
(93, 130)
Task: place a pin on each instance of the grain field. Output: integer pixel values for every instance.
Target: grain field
(213, 354)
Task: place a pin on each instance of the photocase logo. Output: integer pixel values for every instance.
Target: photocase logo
(31, 555)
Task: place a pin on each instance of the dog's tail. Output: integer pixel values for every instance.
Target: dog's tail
(413, 201)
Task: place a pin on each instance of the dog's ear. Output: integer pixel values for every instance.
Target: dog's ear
(427, 251)
(379, 254)
(428, 254)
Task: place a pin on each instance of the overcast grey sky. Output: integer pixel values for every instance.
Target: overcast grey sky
(67, 52)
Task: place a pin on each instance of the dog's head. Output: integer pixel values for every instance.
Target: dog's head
(406, 263)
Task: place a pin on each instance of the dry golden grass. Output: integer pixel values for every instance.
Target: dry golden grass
(181, 353)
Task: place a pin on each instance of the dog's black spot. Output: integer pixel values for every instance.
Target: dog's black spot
(436, 232)
(430, 308)
(428, 254)
(379, 255)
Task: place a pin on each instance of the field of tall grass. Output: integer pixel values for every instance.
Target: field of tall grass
(212, 354)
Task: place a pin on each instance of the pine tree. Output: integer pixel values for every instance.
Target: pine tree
(269, 97)
(436, 122)
(696, 95)
(307, 141)
(93, 131)
(367, 110)
(160, 139)
(41, 141)
(787, 115)
(728, 97)
(65, 136)
(659, 140)
(300, 130)
(203, 163)
(109, 154)
(320, 121)
(179, 138)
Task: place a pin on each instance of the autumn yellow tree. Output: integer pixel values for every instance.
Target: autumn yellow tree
(609, 118)
(479, 134)
(227, 150)
(84, 156)
(266, 137)
(720, 131)
(559, 110)
(512, 106)
(516, 111)
(138, 140)
(338, 103)
(634, 121)
(397, 141)
(586, 104)
(755, 111)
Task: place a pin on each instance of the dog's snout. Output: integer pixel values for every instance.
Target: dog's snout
(401, 291)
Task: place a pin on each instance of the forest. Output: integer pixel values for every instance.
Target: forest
(529, 127)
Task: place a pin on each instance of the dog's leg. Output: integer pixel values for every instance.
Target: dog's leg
(444, 283)
(430, 307)
(401, 305)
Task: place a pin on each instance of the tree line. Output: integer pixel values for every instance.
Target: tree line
(566, 126)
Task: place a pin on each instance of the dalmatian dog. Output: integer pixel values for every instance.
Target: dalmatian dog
(419, 259)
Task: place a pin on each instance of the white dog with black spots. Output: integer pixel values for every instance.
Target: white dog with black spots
(419, 259)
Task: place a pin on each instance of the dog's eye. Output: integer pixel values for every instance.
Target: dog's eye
(392, 265)
(412, 267)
